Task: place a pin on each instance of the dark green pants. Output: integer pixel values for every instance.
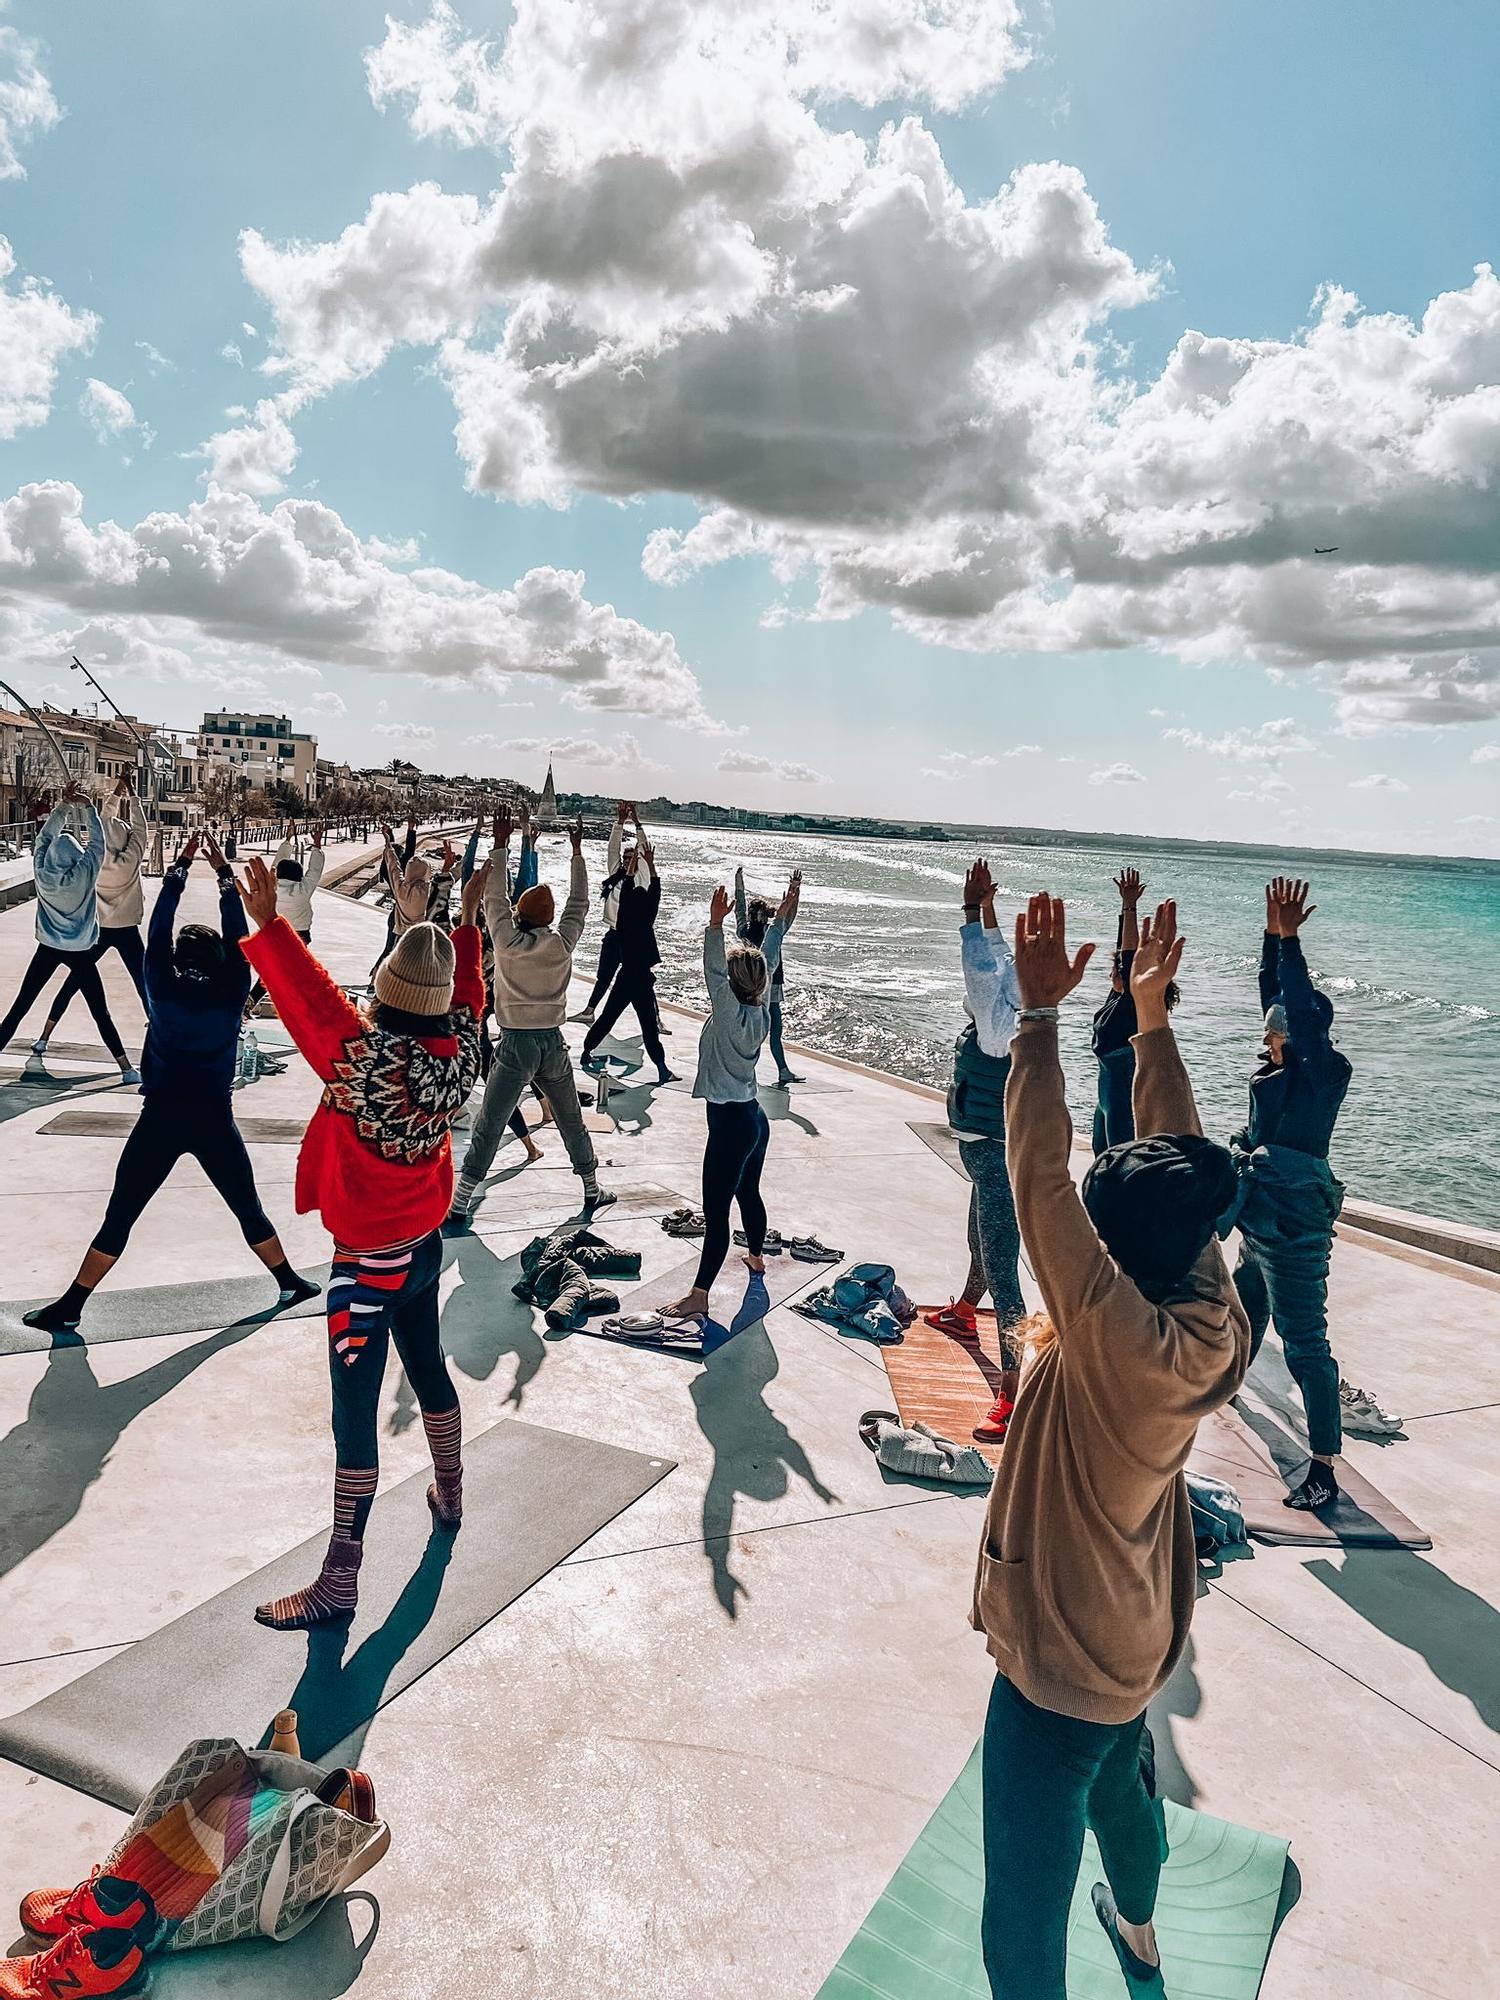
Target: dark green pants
(1046, 1778)
(1286, 1240)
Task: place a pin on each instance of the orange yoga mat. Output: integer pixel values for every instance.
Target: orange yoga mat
(947, 1383)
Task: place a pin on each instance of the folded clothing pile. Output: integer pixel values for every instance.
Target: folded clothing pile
(654, 1328)
(920, 1452)
(865, 1301)
(559, 1271)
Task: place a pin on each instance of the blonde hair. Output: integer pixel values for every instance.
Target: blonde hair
(749, 974)
(1035, 1332)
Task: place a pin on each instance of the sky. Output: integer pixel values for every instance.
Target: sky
(918, 407)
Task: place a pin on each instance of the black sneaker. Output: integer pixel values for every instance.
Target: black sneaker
(1319, 1489)
(1139, 1976)
(51, 1319)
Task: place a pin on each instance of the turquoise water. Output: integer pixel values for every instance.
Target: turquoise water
(1408, 950)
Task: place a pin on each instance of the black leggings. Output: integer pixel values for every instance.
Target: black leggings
(732, 1160)
(46, 960)
(127, 942)
(609, 965)
(168, 1128)
(635, 986)
(257, 992)
(366, 1307)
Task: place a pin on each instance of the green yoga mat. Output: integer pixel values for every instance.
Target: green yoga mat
(1214, 1914)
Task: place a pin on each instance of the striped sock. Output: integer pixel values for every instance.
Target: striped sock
(333, 1593)
(445, 1441)
(353, 1497)
(465, 1196)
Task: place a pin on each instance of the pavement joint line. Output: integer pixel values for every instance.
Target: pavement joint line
(1349, 1674)
(1464, 1410)
(70, 1653)
(770, 1528)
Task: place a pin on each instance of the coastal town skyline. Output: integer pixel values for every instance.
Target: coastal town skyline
(307, 449)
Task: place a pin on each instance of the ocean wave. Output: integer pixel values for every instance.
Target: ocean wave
(1400, 996)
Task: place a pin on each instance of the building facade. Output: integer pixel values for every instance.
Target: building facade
(262, 750)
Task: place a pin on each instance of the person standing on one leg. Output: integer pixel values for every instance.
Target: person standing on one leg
(65, 870)
(639, 955)
(195, 993)
(377, 1163)
(976, 1115)
(119, 903)
(752, 919)
(739, 1020)
(1290, 1197)
(533, 964)
(1087, 1569)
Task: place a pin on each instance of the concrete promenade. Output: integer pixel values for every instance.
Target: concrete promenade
(684, 1764)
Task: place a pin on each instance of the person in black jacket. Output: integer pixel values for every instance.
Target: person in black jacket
(196, 983)
(1114, 1027)
(1290, 1199)
(635, 981)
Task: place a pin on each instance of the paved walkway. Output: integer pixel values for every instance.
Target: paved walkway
(685, 1763)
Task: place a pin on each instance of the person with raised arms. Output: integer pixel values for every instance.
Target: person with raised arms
(1114, 1025)
(1087, 1570)
(120, 904)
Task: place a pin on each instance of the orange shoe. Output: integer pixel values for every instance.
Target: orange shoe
(957, 1319)
(997, 1423)
(102, 1903)
(80, 1966)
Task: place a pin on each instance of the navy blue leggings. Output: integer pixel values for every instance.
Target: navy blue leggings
(737, 1138)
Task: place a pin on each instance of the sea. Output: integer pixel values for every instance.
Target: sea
(1408, 949)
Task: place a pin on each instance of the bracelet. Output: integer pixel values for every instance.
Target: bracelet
(1037, 1014)
(971, 909)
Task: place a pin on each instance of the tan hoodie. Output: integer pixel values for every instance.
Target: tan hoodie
(121, 904)
(532, 968)
(1087, 1571)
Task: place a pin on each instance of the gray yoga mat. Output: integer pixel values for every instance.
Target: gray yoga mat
(531, 1497)
(82, 1124)
(1262, 1462)
(200, 1306)
(938, 1138)
(525, 1200)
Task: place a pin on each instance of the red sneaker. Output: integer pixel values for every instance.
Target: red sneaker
(997, 1423)
(957, 1319)
(103, 1903)
(79, 1966)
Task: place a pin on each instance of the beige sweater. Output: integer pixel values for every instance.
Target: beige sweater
(532, 968)
(1087, 1571)
(121, 904)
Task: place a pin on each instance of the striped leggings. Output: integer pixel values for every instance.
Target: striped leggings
(375, 1297)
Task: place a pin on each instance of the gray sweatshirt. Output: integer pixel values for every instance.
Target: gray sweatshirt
(532, 968)
(734, 1034)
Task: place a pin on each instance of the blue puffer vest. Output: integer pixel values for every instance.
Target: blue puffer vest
(976, 1098)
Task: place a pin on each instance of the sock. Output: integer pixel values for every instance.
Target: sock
(292, 1282)
(333, 1593)
(62, 1312)
(1317, 1489)
(445, 1441)
(464, 1195)
(590, 1179)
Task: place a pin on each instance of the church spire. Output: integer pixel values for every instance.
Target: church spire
(547, 808)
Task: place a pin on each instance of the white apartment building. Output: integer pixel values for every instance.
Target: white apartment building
(261, 749)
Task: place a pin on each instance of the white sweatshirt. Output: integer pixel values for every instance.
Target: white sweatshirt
(121, 905)
(294, 899)
(612, 858)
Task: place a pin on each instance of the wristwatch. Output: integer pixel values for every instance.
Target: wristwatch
(1036, 1014)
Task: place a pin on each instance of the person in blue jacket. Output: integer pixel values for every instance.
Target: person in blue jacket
(1290, 1198)
(65, 870)
(196, 984)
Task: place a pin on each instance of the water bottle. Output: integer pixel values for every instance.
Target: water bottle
(284, 1734)
(249, 1056)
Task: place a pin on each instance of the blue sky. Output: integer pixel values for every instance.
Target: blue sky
(803, 650)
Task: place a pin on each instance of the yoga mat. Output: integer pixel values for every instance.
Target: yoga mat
(813, 1087)
(201, 1306)
(531, 1497)
(1265, 1462)
(1214, 1914)
(947, 1383)
(938, 1138)
(548, 1207)
(117, 1124)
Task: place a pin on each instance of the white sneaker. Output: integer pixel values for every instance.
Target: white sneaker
(1363, 1415)
(39, 1048)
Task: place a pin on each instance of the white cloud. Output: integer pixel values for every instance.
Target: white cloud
(617, 753)
(404, 732)
(230, 351)
(37, 332)
(1267, 744)
(1159, 714)
(1378, 781)
(1487, 753)
(1117, 774)
(294, 578)
(327, 703)
(107, 412)
(27, 104)
(155, 359)
(1477, 819)
(746, 763)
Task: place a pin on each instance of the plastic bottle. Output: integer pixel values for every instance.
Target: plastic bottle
(249, 1056)
(284, 1734)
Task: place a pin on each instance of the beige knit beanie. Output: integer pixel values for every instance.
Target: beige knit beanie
(417, 977)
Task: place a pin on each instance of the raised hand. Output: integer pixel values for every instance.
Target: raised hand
(979, 886)
(502, 829)
(575, 834)
(1044, 971)
(214, 852)
(622, 811)
(257, 889)
(1154, 967)
(719, 906)
(188, 852)
(1273, 913)
(1130, 885)
(473, 896)
(450, 859)
(1292, 906)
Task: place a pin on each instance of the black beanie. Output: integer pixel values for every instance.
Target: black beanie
(1157, 1202)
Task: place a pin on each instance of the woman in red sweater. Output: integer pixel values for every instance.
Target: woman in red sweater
(377, 1164)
